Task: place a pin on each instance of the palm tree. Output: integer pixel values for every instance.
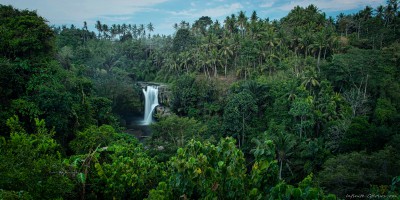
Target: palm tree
(284, 145)
(254, 17)
(214, 60)
(114, 30)
(172, 63)
(310, 79)
(85, 28)
(271, 58)
(380, 12)
(203, 59)
(99, 27)
(227, 24)
(123, 28)
(150, 27)
(295, 40)
(105, 30)
(242, 22)
(184, 24)
(184, 59)
(269, 36)
(230, 24)
(141, 31)
(319, 43)
(226, 52)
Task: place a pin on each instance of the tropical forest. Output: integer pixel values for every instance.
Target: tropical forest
(301, 107)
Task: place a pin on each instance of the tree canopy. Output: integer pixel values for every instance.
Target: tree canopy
(305, 107)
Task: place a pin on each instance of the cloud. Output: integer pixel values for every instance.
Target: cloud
(188, 12)
(332, 5)
(221, 10)
(216, 12)
(267, 4)
(75, 11)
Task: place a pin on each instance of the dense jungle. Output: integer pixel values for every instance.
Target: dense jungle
(304, 107)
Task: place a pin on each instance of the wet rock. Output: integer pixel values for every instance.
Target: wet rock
(162, 112)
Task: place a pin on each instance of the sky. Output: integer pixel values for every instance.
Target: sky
(163, 14)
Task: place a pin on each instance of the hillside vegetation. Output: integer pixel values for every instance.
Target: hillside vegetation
(305, 107)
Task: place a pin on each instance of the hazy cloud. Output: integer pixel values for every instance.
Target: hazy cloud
(76, 11)
(221, 10)
(332, 5)
(211, 12)
(267, 4)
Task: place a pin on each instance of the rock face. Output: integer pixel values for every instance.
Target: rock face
(161, 112)
(164, 95)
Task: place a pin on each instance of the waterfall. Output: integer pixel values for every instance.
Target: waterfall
(151, 101)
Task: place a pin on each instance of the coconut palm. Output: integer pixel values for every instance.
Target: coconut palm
(319, 43)
(310, 79)
(242, 22)
(105, 30)
(99, 27)
(285, 148)
(226, 52)
(150, 28)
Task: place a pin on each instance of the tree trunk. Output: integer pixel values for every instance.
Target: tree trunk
(242, 129)
(301, 126)
(280, 170)
(319, 58)
(226, 65)
(215, 70)
(365, 88)
(306, 53)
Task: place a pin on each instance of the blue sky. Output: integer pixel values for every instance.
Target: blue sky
(164, 13)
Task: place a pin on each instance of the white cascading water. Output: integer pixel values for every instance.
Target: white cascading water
(151, 101)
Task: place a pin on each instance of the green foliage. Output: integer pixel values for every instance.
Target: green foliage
(128, 172)
(34, 164)
(11, 82)
(11, 195)
(353, 173)
(362, 135)
(395, 188)
(239, 110)
(191, 97)
(173, 132)
(302, 108)
(265, 171)
(284, 149)
(384, 111)
(313, 153)
(182, 40)
(305, 87)
(92, 138)
(306, 190)
(73, 37)
(102, 111)
(112, 165)
(203, 170)
(16, 41)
